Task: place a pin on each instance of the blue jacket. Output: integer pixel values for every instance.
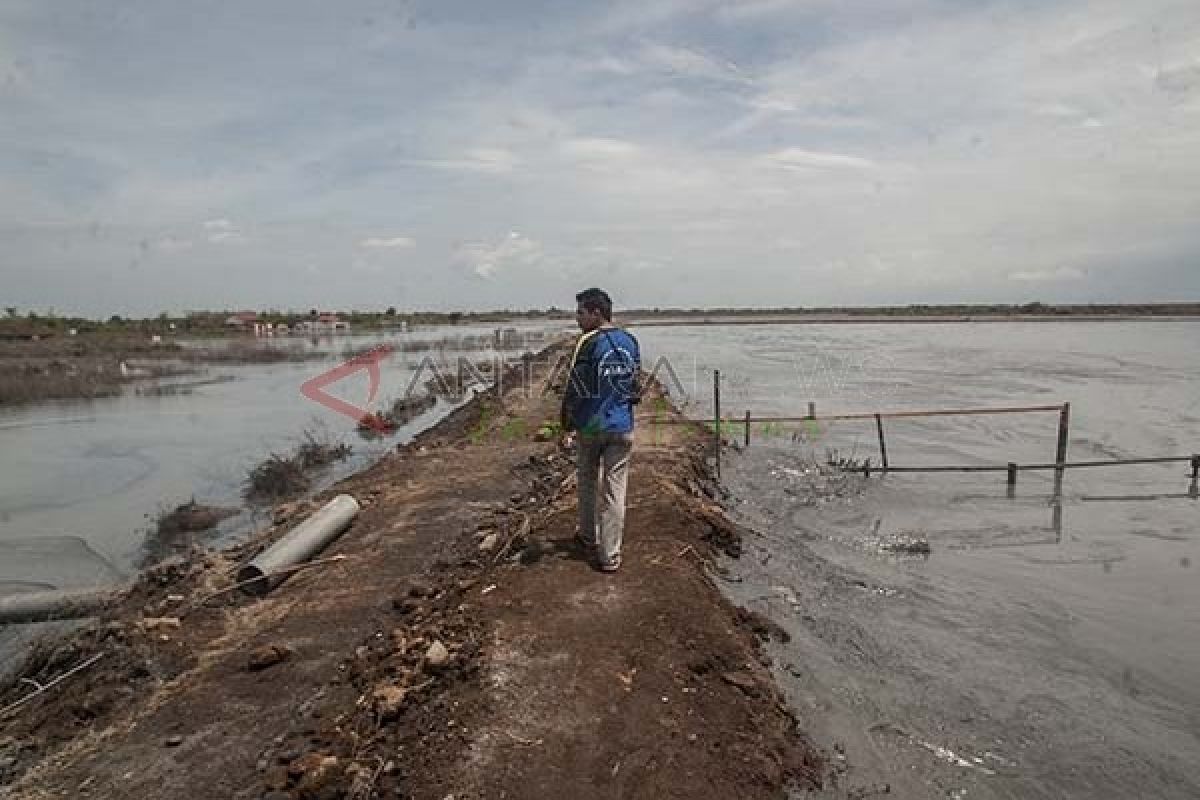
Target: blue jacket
(603, 383)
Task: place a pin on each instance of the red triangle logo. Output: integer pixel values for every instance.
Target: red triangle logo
(314, 388)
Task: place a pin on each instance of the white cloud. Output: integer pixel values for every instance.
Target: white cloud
(387, 242)
(488, 259)
(1048, 275)
(689, 63)
(494, 160)
(749, 10)
(598, 149)
(222, 231)
(796, 158)
(491, 159)
(173, 244)
(610, 64)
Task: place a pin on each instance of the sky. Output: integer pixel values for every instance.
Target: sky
(679, 153)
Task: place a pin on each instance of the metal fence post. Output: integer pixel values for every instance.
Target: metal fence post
(717, 420)
(882, 443)
(1060, 453)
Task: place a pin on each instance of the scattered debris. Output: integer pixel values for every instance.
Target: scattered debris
(761, 625)
(375, 423)
(742, 680)
(437, 656)
(388, 700)
(906, 545)
(42, 689)
(158, 624)
(173, 530)
(268, 656)
(192, 517)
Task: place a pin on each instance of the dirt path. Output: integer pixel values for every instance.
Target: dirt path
(462, 648)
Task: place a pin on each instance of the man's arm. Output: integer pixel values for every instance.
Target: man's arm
(566, 412)
(638, 386)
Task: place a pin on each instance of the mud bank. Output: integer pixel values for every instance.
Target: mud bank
(461, 647)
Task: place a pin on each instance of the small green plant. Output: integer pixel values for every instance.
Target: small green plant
(486, 414)
(549, 430)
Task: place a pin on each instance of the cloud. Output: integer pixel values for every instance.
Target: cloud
(598, 149)
(388, 242)
(798, 159)
(1048, 275)
(687, 62)
(487, 260)
(493, 160)
(610, 64)
(931, 154)
(173, 244)
(223, 231)
(752, 10)
(1180, 80)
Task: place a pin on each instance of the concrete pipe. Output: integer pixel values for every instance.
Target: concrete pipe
(310, 537)
(61, 604)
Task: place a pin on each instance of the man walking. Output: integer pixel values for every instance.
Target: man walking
(602, 388)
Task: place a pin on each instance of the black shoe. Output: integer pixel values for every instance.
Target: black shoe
(610, 566)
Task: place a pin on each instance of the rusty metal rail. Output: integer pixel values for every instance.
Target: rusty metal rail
(1193, 460)
(1060, 464)
(868, 415)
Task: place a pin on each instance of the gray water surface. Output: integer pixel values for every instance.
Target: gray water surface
(81, 482)
(1032, 653)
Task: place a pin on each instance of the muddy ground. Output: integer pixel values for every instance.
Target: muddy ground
(453, 643)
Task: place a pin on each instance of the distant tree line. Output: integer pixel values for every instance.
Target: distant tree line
(19, 323)
(933, 310)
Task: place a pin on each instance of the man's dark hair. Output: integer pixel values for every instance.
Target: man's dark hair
(596, 300)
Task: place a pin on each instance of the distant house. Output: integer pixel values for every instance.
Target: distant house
(332, 323)
(325, 322)
(242, 320)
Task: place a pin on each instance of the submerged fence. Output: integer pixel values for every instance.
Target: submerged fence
(1059, 465)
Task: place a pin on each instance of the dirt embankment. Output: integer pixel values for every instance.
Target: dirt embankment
(462, 646)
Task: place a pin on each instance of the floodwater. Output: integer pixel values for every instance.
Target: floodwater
(82, 482)
(1041, 649)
